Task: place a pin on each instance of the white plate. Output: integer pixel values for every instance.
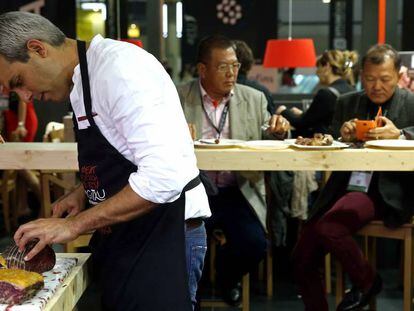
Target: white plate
(391, 143)
(265, 144)
(224, 143)
(335, 145)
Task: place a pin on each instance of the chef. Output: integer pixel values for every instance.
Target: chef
(136, 161)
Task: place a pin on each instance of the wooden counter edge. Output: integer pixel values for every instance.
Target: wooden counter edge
(68, 294)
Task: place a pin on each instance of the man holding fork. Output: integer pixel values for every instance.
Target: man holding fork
(350, 200)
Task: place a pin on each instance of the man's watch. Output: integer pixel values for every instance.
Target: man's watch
(20, 124)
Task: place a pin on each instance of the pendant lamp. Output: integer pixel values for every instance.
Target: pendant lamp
(289, 53)
(134, 41)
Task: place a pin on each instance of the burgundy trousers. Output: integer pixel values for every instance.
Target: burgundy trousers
(332, 233)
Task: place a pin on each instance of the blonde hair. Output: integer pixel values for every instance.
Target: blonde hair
(343, 63)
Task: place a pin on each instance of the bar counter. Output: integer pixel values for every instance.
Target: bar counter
(63, 156)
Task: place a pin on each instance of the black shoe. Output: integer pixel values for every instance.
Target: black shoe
(233, 296)
(355, 299)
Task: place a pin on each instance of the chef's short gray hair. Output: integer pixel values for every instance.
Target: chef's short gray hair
(17, 28)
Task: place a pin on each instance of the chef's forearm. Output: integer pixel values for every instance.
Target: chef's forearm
(123, 206)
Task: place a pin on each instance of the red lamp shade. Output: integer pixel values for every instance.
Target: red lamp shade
(134, 41)
(289, 53)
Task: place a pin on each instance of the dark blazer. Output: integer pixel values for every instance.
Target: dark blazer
(318, 117)
(394, 188)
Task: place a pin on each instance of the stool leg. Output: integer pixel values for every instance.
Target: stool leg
(328, 285)
(212, 259)
(246, 293)
(46, 199)
(372, 258)
(260, 270)
(408, 271)
(269, 271)
(6, 208)
(340, 283)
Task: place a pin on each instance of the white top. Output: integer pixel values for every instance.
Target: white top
(220, 178)
(139, 113)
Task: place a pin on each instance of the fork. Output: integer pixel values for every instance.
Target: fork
(14, 258)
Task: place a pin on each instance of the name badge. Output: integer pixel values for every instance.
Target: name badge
(359, 181)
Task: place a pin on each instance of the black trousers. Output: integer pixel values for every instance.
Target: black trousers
(246, 241)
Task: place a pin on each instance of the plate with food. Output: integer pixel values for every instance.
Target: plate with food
(265, 144)
(218, 143)
(390, 144)
(317, 142)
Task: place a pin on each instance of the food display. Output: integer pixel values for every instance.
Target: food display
(317, 140)
(20, 279)
(42, 262)
(18, 285)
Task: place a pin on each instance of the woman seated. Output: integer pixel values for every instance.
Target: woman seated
(21, 126)
(335, 70)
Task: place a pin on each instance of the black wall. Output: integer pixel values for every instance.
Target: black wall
(63, 14)
(257, 24)
(408, 26)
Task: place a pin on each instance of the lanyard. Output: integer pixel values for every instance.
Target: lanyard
(218, 129)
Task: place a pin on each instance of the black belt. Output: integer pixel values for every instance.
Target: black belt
(192, 223)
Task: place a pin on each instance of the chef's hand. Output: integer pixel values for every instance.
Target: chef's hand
(348, 130)
(48, 231)
(388, 131)
(278, 126)
(72, 203)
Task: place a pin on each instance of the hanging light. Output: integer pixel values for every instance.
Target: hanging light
(134, 41)
(289, 53)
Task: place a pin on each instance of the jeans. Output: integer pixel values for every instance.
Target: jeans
(195, 248)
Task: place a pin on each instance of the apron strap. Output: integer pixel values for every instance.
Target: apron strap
(192, 184)
(85, 81)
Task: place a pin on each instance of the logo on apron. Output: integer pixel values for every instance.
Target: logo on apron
(91, 184)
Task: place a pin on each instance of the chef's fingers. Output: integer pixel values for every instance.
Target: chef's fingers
(35, 250)
(57, 210)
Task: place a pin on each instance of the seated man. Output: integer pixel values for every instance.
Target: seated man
(219, 107)
(340, 211)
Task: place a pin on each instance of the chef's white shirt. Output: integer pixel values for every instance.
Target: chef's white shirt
(138, 111)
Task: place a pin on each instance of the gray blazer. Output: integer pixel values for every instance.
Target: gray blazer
(247, 113)
(395, 188)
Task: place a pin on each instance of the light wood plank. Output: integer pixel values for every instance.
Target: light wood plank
(72, 288)
(63, 156)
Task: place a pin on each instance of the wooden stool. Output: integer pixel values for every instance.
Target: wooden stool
(64, 182)
(376, 229)
(268, 262)
(8, 197)
(218, 303)
(59, 181)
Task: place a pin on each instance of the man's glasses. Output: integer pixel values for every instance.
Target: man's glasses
(227, 67)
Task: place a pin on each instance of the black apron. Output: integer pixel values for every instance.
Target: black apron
(139, 264)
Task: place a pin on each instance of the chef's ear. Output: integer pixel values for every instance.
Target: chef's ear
(37, 47)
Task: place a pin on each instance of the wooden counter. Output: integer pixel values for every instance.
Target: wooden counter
(63, 156)
(72, 288)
